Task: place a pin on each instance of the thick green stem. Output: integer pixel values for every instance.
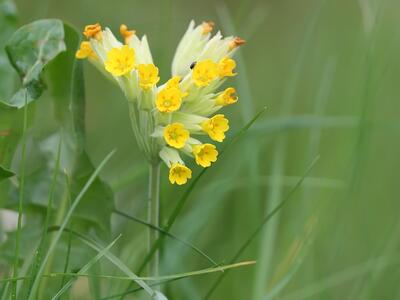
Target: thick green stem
(154, 215)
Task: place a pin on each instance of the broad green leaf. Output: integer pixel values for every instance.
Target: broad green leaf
(30, 49)
(8, 22)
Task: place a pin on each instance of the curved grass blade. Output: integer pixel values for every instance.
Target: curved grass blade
(162, 231)
(267, 218)
(40, 249)
(52, 246)
(185, 196)
(85, 268)
(111, 257)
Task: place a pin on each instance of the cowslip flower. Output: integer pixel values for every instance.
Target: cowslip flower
(169, 119)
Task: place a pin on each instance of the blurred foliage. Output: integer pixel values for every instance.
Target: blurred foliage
(326, 70)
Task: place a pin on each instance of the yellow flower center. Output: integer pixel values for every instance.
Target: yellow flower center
(207, 27)
(204, 72)
(216, 127)
(226, 67)
(85, 50)
(126, 33)
(179, 174)
(227, 97)
(169, 99)
(205, 154)
(176, 135)
(93, 31)
(148, 76)
(120, 61)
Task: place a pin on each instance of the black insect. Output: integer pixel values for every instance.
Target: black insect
(193, 64)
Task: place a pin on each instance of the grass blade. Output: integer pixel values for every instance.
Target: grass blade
(85, 268)
(20, 201)
(185, 196)
(261, 226)
(111, 257)
(40, 249)
(162, 231)
(75, 203)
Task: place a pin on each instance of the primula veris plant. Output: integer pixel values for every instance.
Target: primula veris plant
(169, 119)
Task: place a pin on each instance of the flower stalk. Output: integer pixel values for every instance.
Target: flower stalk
(154, 215)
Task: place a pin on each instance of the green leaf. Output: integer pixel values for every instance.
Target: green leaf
(30, 49)
(8, 22)
(4, 173)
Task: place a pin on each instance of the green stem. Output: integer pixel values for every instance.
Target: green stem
(20, 202)
(153, 215)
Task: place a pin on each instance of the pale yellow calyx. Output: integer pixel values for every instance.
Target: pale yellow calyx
(216, 127)
(169, 99)
(148, 76)
(179, 174)
(226, 67)
(237, 42)
(227, 97)
(175, 135)
(120, 61)
(93, 31)
(85, 51)
(205, 154)
(207, 27)
(126, 33)
(204, 72)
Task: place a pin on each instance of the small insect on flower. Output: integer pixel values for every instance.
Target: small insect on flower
(179, 174)
(167, 118)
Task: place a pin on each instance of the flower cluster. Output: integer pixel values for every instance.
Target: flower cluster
(168, 119)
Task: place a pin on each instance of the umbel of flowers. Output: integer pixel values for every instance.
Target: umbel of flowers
(169, 119)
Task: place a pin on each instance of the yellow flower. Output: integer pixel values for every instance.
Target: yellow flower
(205, 154)
(176, 135)
(207, 27)
(126, 33)
(169, 99)
(216, 127)
(174, 82)
(120, 61)
(179, 174)
(226, 67)
(236, 43)
(227, 97)
(148, 76)
(204, 72)
(85, 51)
(93, 31)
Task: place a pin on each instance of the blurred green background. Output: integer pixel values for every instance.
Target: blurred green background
(328, 73)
